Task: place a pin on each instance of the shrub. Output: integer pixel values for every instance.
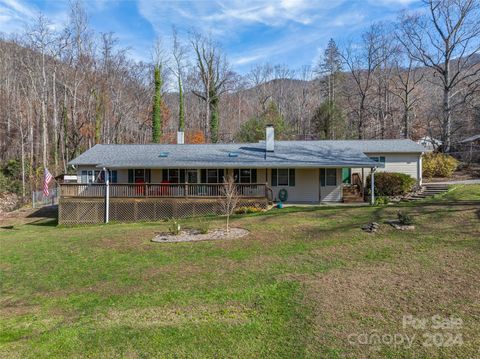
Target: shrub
(10, 177)
(405, 218)
(381, 200)
(438, 165)
(246, 210)
(203, 226)
(174, 227)
(392, 183)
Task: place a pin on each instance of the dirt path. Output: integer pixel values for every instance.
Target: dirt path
(28, 215)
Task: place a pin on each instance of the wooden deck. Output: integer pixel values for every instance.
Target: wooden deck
(86, 203)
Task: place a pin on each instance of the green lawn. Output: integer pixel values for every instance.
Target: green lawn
(299, 285)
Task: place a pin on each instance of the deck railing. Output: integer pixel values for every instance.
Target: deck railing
(172, 190)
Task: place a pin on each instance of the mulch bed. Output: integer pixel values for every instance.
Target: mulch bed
(192, 235)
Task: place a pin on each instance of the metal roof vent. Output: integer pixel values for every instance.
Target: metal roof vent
(163, 154)
(233, 154)
(269, 139)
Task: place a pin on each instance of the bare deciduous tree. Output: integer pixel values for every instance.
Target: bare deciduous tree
(405, 88)
(446, 39)
(230, 198)
(362, 61)
(214, 73)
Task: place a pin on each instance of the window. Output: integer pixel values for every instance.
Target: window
(328, 177)
(245, 175)
(139, 175)
(192, 176)
(97, 176)
(283, 177)
(113, 176)
(87, 176)
(173, 175)
(212, 175)
(378, 159)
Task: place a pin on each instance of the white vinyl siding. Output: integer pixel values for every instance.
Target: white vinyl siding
(406, 163)
(306, 189)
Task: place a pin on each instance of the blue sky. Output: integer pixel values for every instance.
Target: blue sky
(291, 32)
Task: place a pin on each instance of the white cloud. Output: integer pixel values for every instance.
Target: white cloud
(18, 8)
(227, 16)
(392, 2)
(245, 60)
(16, 16)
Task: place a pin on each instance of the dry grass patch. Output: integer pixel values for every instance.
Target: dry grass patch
(375, 298)
(175, 316)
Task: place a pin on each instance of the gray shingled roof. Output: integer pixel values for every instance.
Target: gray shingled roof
(304, 154)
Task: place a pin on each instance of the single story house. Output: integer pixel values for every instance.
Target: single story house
(291, 171)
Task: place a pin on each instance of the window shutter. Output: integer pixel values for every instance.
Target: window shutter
(322, 177)
(236, 175)
(253, 175)
(203, 175)
(274, 177)
(291, 177)
(148, 175)
(130, 176)
(164, 175)
(182, 176)
(221, 174)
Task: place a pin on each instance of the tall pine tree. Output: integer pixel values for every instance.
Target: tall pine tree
(157, 103)
(328, 118)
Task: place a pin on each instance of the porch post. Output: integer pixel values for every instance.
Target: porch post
(364, 183)
(107, 194)
(419, 170)
(372, 186)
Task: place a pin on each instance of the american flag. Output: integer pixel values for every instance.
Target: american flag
(47, 178)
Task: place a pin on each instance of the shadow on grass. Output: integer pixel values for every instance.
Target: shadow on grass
(48, 222)
(45, 212)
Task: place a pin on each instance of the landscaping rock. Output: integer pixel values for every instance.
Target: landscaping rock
(371, 227)
(401, 227)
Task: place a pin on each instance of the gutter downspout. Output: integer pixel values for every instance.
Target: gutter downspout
(107, 194)
(419, 170)
(372, 186)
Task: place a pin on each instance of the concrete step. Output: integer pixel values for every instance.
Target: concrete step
(428, 190)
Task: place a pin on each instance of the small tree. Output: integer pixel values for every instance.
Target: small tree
(230, 198)
(253, 130)
(328, 121)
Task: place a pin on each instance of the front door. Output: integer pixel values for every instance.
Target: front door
(346, 175)
(192, 176)
(330, 187)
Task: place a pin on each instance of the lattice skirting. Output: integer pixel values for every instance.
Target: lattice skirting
(92, 210)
